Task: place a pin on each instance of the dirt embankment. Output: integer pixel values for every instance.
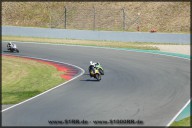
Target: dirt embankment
(113, 16)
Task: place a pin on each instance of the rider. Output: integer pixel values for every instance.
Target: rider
(94, 65)
(9, 45)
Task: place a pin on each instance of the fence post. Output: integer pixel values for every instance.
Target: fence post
(138, 22)
(50, 18)
(93, 18)
(65, 20)
(123, 10)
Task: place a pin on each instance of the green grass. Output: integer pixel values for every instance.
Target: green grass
(183, 122)
(23, 79)
(112, 44)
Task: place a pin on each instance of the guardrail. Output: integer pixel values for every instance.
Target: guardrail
(96, 35)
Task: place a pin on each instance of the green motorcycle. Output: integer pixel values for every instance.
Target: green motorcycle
(96, 70)
(95, 73)
(98, 67)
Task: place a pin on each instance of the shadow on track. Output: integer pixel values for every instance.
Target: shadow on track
(90, 80)
(9, 52)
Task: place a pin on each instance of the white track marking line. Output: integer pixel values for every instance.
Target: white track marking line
(83, 71)
(120, 50)
(178, 113)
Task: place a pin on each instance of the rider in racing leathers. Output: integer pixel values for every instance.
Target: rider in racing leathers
(93, 64)
(9, 45)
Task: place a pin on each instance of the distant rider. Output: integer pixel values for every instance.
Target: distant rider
(94, 65)
(9, 45)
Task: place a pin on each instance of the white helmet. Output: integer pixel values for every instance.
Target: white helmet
(91, 63)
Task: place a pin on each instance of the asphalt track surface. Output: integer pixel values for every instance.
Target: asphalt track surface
(139, 86)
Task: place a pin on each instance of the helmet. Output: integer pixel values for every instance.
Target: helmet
(91, 62)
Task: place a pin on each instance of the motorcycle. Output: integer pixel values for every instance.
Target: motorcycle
(13, 48)
(99, 67)
(94, 72)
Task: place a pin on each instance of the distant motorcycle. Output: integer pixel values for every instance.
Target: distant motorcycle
(99, 67)
(94, 72)
(12, 48)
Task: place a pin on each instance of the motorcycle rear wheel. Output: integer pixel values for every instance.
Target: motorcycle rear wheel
(17, 50)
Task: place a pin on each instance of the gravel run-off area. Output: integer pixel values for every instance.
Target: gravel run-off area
(182, 49)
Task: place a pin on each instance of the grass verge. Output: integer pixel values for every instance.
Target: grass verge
(113, 44)
(23, 79)
(183, 122)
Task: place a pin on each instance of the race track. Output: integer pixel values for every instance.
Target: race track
(139, 86)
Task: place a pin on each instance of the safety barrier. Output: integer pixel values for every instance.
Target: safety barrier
(96, 35)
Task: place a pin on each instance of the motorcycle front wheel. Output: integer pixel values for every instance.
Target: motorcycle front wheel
(101, 71)
(98, 76)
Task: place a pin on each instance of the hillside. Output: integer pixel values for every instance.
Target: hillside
(119, 16)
